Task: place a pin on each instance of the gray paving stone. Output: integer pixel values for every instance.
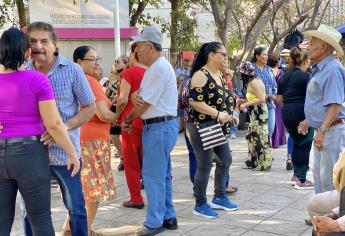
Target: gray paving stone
(268, 204)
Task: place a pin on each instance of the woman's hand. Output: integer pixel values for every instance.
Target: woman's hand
(235, 121)
(137, 99)
(224, 117)
(303, 127)
(240, 101)
(243, 107)
(73, 160)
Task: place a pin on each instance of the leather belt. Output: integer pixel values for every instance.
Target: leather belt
(158, 119)
(20, 140)
(337, 122)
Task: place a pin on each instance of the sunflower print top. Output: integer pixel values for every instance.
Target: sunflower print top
(218, 97)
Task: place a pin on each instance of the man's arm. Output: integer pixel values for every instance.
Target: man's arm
(82, 117)
(332, 113)
(136, 111)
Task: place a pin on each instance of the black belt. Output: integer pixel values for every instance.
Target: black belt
(20, 140)
(158, 119)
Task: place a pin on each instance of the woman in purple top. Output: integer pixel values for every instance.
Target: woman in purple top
(27, 109)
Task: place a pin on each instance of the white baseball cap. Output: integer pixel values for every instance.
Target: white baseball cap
(149, 33)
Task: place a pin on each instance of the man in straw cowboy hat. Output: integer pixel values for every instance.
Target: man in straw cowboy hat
(323, 104)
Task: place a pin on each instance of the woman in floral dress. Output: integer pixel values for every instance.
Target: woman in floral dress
(96, 175)
(260, 156)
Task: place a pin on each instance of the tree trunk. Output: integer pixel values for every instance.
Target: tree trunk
(135, 16)
(21, 13)
(173, 30)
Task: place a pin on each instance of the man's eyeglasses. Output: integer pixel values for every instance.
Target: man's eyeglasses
(223, 54)
(93, 60)
(118, 61)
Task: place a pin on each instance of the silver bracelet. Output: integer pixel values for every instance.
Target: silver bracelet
(322, 129)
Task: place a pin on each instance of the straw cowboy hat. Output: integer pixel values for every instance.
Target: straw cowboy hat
(339, 172)
(327, 34)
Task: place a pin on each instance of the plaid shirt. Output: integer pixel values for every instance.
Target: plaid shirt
(71, 89)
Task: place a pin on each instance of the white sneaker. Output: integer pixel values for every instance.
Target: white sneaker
(306, 185)
(233, 136)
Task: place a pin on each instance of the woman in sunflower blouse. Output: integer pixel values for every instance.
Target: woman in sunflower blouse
(210, 100)
(260, 157)
(96, 175)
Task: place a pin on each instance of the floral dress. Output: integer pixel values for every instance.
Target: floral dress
(260, 156)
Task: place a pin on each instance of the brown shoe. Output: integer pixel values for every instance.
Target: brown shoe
(130, 204)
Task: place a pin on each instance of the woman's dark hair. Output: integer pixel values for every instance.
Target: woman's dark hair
(246, 79)
(80, 52)
(202, 56)
(257, 52)
(13, 45)
(297, 57)
(272, 60)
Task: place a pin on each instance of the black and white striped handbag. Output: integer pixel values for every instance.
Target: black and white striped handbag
(211, 134)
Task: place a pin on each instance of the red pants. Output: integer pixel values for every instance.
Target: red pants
(132, 149)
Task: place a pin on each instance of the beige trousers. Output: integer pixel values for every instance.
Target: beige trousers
(323, 203)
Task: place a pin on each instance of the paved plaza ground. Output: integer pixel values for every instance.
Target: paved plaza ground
(268, 204)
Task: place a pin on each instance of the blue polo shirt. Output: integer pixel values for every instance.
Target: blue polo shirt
(71, 90)
(326, 86)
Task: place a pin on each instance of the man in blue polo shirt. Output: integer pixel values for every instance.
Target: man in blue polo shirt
(323, 105)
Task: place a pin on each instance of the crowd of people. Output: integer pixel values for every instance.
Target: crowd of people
(64, 127)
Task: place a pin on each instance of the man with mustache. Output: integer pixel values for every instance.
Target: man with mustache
(71, 91)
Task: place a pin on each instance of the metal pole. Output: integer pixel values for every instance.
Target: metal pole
(117, 41)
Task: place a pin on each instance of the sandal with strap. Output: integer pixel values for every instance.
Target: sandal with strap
(94, 233)
(289, 164)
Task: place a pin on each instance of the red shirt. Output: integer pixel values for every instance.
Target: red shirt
(133, 76)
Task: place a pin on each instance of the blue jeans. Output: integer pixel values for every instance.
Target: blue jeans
(324, 161)
(233, 129)
(24, 166)
(271, 120)
(73, 198)
(193, 164)
(289, 146)
(158, 141)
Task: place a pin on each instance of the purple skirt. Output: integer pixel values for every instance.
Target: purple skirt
(278, 136)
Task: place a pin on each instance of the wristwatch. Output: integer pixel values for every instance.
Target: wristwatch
(322, 129)
(127, 122)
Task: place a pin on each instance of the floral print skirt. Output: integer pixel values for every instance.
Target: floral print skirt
(260, 156)
(96, 175)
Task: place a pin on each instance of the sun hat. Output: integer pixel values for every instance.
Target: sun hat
(150, 34)
(285, 53)
(327, 34)
(339, 172)
(246, 68)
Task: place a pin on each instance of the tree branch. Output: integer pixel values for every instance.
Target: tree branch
(134, 18)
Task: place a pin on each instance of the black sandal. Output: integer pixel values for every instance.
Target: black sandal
(289, 164)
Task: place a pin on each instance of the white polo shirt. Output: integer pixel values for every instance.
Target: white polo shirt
(159, 89)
